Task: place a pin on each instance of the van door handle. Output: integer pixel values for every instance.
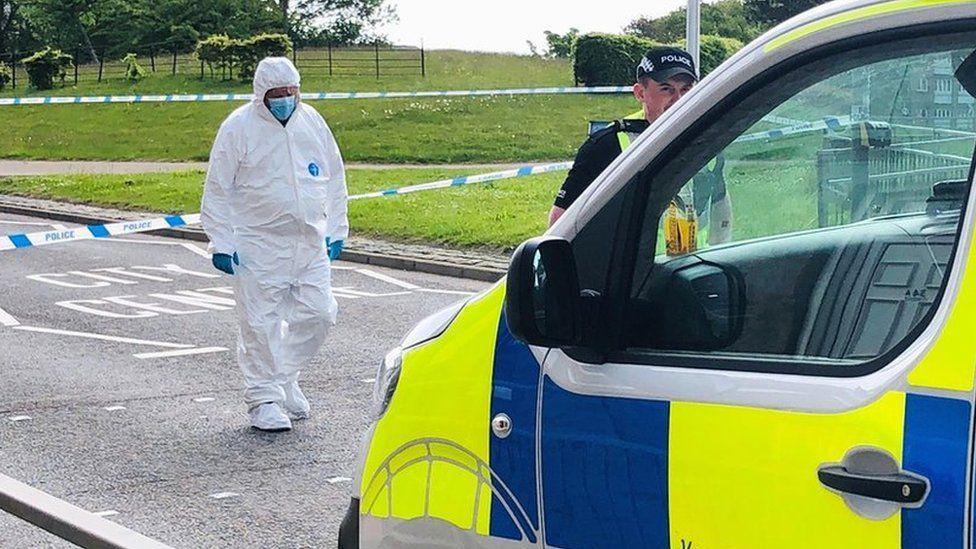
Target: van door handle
(903, 488)
(873, 484)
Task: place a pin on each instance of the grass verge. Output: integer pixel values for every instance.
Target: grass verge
(422, 130)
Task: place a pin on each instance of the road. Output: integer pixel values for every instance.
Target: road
(119, 394)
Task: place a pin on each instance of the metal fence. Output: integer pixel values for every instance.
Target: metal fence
(378, 60)
(857, 182)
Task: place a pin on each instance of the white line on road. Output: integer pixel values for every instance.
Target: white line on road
(195, 249)
(106, 513)
(225, 495)
(103, 337)
(114, 408)
(19, 418)
(204, 399)
(388, 279)
(182, 352)
(6, 319)
(449, 292)
(335, 480)
(368, 380)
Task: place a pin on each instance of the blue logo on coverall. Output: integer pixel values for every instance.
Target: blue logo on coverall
(313, 169)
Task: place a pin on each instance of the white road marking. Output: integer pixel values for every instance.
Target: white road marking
(388, 279)
(19, 418)
(171, 268)
(102, 277)
(114, 408)
(103, 337)
(336, 480)
(204, 399)
(123, 272)
(368, 380)
(449, 292)
(106, 513)
(183, 352)
(81, 305)
(225, 495)
(341, 292)
(6, 319)
(195, 249)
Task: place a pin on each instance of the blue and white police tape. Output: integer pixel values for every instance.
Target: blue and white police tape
(832, 123)
(307, 96)
(467, 180)
(43, 238)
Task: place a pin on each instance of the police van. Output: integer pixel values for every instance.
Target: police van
(807, 383)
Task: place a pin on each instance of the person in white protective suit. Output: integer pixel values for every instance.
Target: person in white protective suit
(274, 208)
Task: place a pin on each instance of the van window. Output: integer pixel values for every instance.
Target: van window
(819, 237)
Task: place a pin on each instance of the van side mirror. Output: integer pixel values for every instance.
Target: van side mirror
(542, 299)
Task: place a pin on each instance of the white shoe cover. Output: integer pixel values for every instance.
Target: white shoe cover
(269, 417)
(296, 405)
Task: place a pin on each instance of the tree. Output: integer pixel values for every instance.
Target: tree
(769, 13)
(727, 18)
(561, 45)
(345, 21)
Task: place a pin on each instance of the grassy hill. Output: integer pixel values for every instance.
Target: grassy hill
(423, 130)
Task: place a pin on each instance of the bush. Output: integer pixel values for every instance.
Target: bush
(248, 53)
(608, 59)
(133, 70)
(216, 51)
(225, 53)
(5, 75)
(611, 60)
(46, 65)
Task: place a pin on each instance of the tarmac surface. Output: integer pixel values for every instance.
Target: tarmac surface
(120, 392)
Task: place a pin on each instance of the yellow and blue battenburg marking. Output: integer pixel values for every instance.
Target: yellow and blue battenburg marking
(641, 473)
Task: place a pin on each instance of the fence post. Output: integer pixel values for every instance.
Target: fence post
(174, 62)
(376, 46)
(294, 56)
(330, 57)
(77, 56)
(152, 59)
(101, 63)
(201, 69)
(423, 63)
(13, 67)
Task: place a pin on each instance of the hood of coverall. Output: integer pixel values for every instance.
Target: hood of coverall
(274, 72)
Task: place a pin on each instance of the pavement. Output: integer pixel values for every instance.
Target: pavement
(121, 392)
(61, 167)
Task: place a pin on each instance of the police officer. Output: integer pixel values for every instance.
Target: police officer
(664, 75)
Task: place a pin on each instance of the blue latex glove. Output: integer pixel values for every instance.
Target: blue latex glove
(335, 248)
(225, 262)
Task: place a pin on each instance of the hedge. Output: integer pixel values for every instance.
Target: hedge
(608, 59)
(612, 59)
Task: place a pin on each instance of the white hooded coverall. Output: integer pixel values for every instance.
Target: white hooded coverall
(273, 194)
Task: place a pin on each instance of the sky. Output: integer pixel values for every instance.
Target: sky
(505, 25)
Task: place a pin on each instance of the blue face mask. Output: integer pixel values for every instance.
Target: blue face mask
(282, 107)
